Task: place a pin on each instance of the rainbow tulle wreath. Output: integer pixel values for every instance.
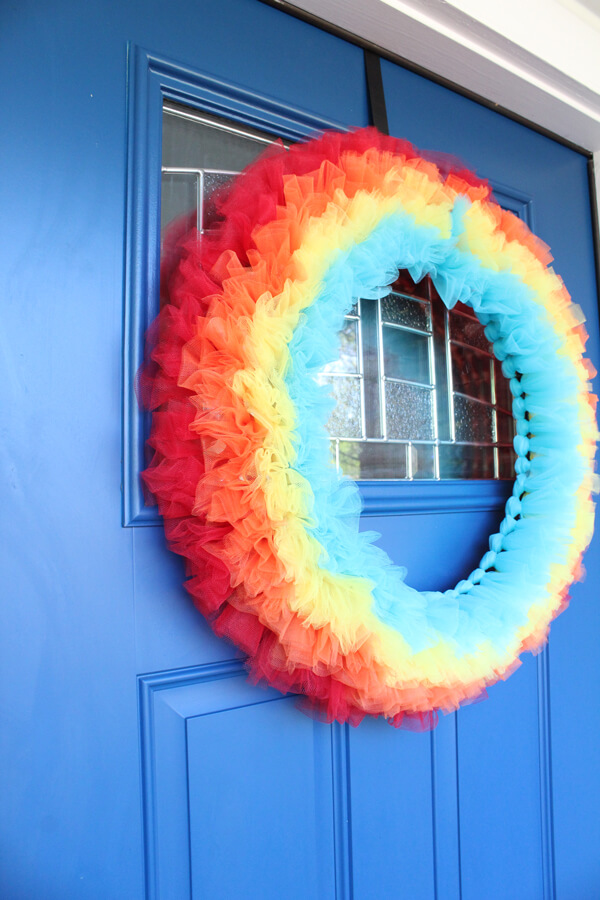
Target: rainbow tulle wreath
(241, 469)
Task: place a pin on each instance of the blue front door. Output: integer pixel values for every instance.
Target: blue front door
(138, 762)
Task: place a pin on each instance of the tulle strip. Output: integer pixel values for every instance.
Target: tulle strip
(240, 466)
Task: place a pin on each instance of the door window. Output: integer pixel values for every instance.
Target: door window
(418, 393)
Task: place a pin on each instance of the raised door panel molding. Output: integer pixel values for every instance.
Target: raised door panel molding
(260, 800)
(243, 795)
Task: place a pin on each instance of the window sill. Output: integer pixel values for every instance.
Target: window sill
(389, 498)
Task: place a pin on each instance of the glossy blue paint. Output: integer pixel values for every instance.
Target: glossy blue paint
(134, 755)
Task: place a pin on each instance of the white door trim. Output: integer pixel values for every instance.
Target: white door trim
(554, 84)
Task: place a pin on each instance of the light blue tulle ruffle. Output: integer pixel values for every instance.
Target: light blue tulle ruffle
(493, 602)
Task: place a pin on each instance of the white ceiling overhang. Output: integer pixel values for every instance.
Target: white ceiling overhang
(539, 59)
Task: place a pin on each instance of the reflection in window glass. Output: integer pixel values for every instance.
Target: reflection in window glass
(467, 461)
(347, 362)
(179, 195)
(464, 329)
(471, 372)
(346, 418)
(405, 355)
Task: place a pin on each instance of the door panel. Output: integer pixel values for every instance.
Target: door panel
(233, 809)
(527, 747)
(499, 785)
(573, 679)
(392, 813)
(268, 831)
(111, 671)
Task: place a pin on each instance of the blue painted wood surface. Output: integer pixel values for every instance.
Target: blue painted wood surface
(136, 762)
